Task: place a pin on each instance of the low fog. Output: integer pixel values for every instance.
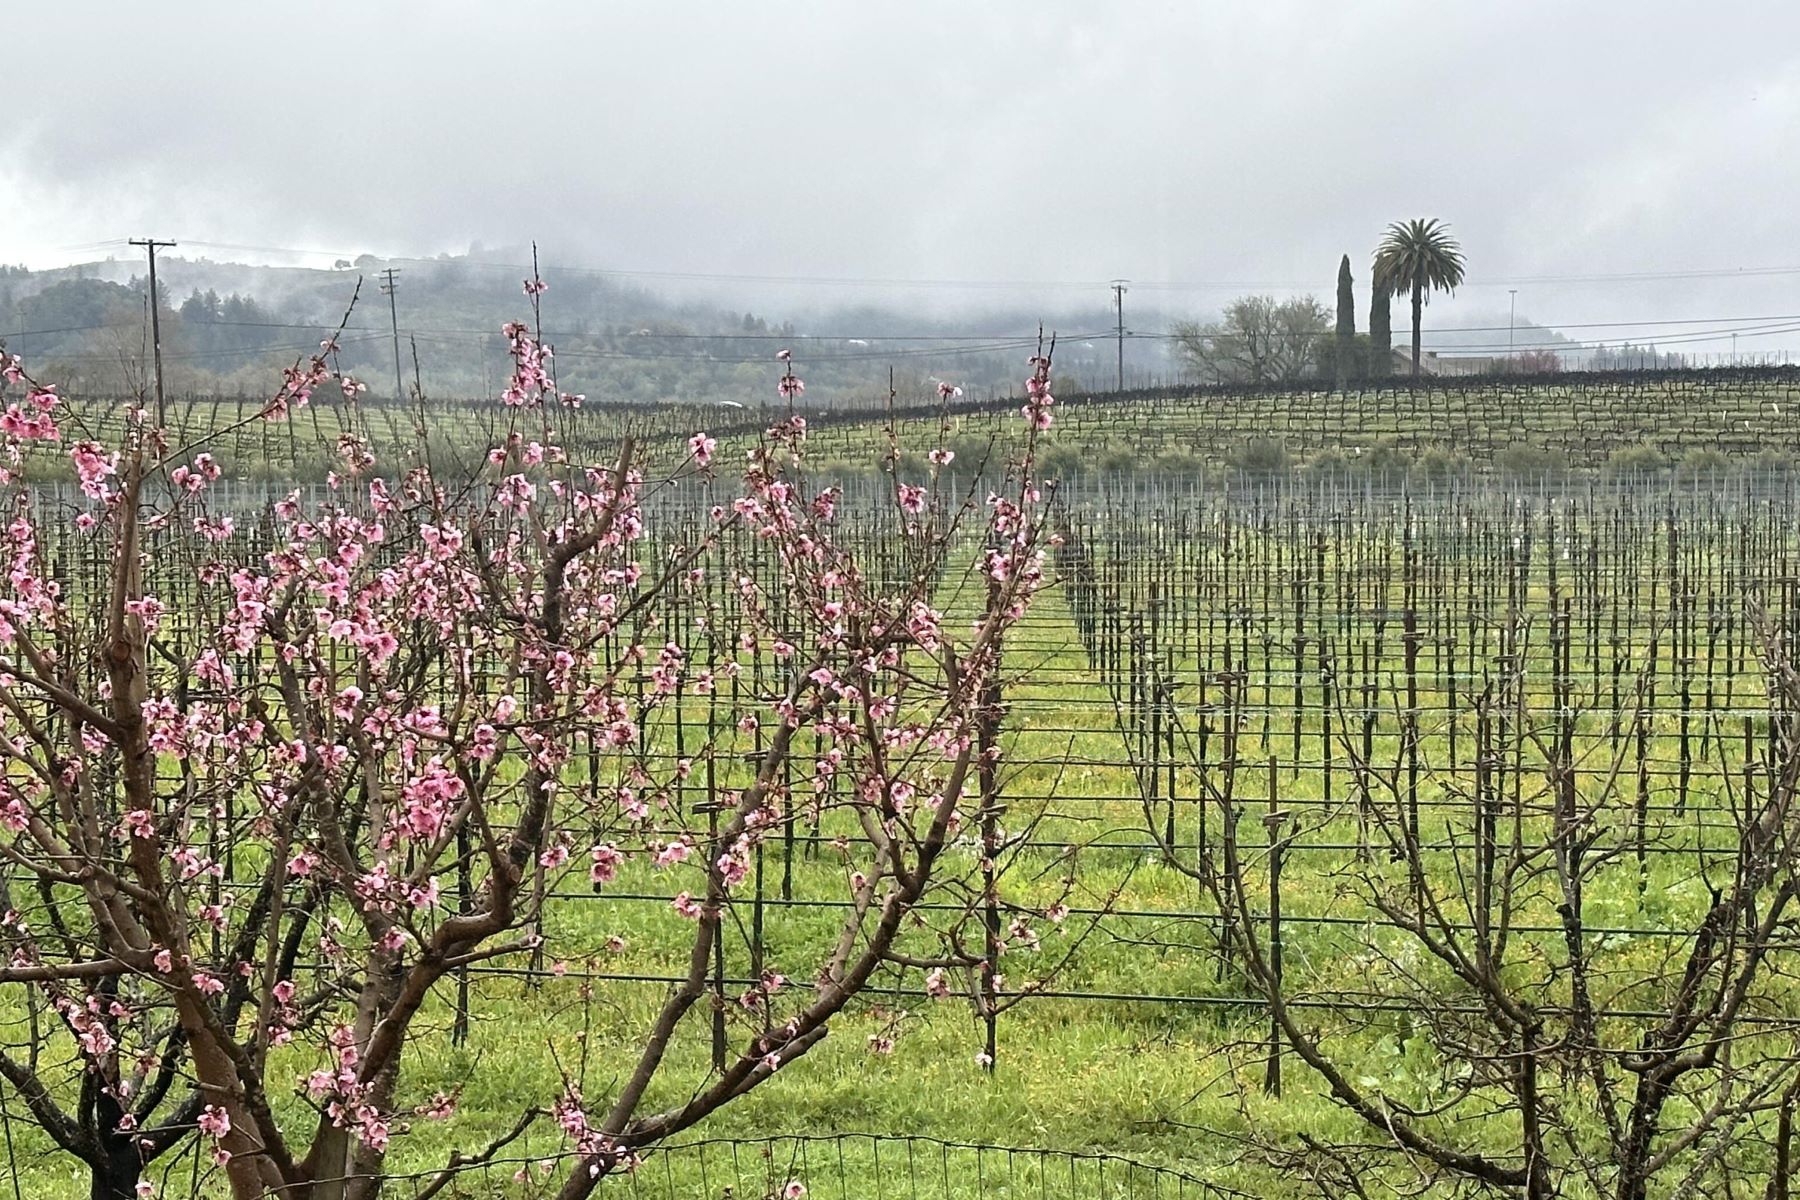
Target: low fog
(937, 159)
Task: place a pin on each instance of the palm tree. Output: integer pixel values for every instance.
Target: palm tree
(1418, 256)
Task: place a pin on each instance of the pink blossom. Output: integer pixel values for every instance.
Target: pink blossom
(733, 867)
(439, 1108)
(214, 1122)
(606, 864)
(93, 465)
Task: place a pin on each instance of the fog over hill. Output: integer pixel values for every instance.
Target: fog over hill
(229, 326)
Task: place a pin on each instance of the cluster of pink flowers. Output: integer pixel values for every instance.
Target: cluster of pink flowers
(1038, 399)
(193, 479)
(789, 386)
(32, 420)
(215, 1123)
(94, 465)
(344, 1093)
(530, 380)
(298, 383)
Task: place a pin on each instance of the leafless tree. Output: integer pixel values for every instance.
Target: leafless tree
(1259, 340)
(1488, 1026)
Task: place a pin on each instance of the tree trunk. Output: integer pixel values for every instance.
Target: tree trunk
(1418, 314)
(114, 1175)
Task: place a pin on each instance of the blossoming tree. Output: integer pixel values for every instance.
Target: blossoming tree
(269, 790)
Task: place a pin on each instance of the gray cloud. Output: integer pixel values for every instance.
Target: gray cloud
(1172, 143)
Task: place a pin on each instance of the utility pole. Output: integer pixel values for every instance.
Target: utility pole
(1119, 290)
(389, 285)
(151, 246)
(1511, 309)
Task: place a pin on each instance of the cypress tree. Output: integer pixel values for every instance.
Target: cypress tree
(1346, 321)
(1381, 334)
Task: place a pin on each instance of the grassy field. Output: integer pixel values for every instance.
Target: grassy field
(1148, 1042)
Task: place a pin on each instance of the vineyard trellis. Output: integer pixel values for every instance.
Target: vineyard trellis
(1269, 672)
(840, 1166)
(1557, 423)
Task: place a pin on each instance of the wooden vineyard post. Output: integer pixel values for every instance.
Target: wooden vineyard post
(1272, 824)
(1327, 680)
(718, 919)
(1562, 689)
(1205, 719)
(757, 903)
(465, 904)
(1409, 629)
(1300, 582)
(1363, 797)
(787, 826)
(987, 743)
(1231, 728)
(1153, 696)
(712, 841)
(1487, 821)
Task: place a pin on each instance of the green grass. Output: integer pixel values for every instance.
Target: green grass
(1175, 1083)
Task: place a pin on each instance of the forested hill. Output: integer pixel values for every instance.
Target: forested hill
(230, 327)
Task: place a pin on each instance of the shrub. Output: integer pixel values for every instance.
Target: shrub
(1532, 462)
(1767, 462)
(1262, 456)
(1438, 465)
(1644, 459)
(1184, 463)
(1704, 462)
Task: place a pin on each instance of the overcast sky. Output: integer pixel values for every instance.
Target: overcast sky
(1226, 145)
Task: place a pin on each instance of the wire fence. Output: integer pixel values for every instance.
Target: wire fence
(1439, 429)
(1285, 666)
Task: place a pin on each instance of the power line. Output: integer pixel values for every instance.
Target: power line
(226, 352)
